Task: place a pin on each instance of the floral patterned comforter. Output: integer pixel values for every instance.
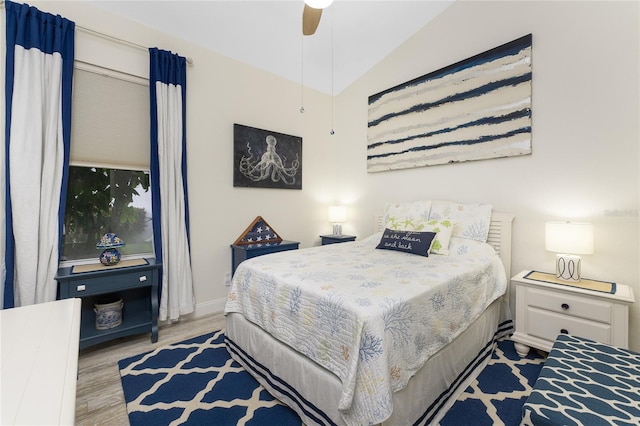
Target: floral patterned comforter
(373, 317)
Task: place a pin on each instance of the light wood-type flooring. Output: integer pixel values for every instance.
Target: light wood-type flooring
(99, 397)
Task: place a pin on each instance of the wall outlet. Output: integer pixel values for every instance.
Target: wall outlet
(227, 278)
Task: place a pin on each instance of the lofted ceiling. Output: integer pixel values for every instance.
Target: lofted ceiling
(353, 35)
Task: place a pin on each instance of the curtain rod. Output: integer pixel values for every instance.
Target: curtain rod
(121, 41)
(112, 38)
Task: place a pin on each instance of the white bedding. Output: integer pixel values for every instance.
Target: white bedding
(373, 317)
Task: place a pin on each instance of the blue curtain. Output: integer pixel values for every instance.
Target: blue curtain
(39, 73)
(168, 85)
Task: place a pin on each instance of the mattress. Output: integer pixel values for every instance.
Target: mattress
(371, 317)
(584, 382)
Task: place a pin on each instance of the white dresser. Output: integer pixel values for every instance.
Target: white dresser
(545, 309)
(39, 363)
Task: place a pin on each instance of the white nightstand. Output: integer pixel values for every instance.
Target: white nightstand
(546, 309)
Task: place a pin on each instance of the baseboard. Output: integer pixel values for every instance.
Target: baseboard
(201, 309)
(211, 307)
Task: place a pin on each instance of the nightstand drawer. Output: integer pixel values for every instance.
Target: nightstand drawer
(547, 325)
(572, 305)
(100, 285)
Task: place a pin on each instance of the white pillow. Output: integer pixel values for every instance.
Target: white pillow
(411, 216)
(472, 220)
(443, 229)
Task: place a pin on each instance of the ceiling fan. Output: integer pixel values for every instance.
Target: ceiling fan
(311, 15)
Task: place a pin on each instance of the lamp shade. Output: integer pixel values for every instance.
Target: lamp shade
(337, 214)
(109, 240)
(569, 237)
(318, 4)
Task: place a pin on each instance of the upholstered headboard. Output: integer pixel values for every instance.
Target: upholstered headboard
(499, 235)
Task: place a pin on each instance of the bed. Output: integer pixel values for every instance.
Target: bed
(349, 334)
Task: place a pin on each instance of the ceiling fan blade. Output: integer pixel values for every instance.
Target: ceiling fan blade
(310, 19)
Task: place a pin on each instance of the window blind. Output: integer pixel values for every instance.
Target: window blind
(110, 119)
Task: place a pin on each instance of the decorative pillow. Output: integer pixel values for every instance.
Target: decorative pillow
(443, 229)
(407, 241)
(407, 216)
(472, 220)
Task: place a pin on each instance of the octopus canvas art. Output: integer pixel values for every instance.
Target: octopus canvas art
(266, 159)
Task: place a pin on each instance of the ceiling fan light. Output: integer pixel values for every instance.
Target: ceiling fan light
(318, 4)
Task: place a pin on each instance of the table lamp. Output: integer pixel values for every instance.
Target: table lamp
(337, 215)
(110, 254)
(318, 4)
(568, 240)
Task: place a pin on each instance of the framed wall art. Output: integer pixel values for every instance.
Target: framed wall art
(266, 159)
(475, 109)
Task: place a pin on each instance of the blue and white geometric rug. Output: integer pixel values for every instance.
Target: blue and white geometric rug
(196, 382)
(497, 395)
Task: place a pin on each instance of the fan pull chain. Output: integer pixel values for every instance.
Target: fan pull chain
(302, 75)
(333, 15)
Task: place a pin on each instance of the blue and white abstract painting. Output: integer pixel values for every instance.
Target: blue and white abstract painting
(476, 109)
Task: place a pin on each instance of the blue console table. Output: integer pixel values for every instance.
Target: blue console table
(136, 285)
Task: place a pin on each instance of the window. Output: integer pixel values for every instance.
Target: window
(101, 200)
(109, 161)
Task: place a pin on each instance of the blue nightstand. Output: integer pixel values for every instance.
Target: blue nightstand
(334, 239)
(241, 252)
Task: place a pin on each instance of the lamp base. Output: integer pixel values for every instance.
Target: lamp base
(337, 229)
(568, 267)
(110, 256)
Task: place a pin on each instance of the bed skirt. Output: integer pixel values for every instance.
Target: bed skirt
(313, 392)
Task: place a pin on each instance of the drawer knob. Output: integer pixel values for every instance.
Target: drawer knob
(564, 306)
(142, 278)
(564, 331)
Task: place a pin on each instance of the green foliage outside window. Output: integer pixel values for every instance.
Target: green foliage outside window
(101, 200)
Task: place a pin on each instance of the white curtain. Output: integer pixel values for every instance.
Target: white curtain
(167, 84)
(39, 74)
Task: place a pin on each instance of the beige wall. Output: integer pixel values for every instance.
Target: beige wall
(585, 134)
(221, 92)
(585, 104)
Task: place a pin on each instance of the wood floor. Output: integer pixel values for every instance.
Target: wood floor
(99, 397)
